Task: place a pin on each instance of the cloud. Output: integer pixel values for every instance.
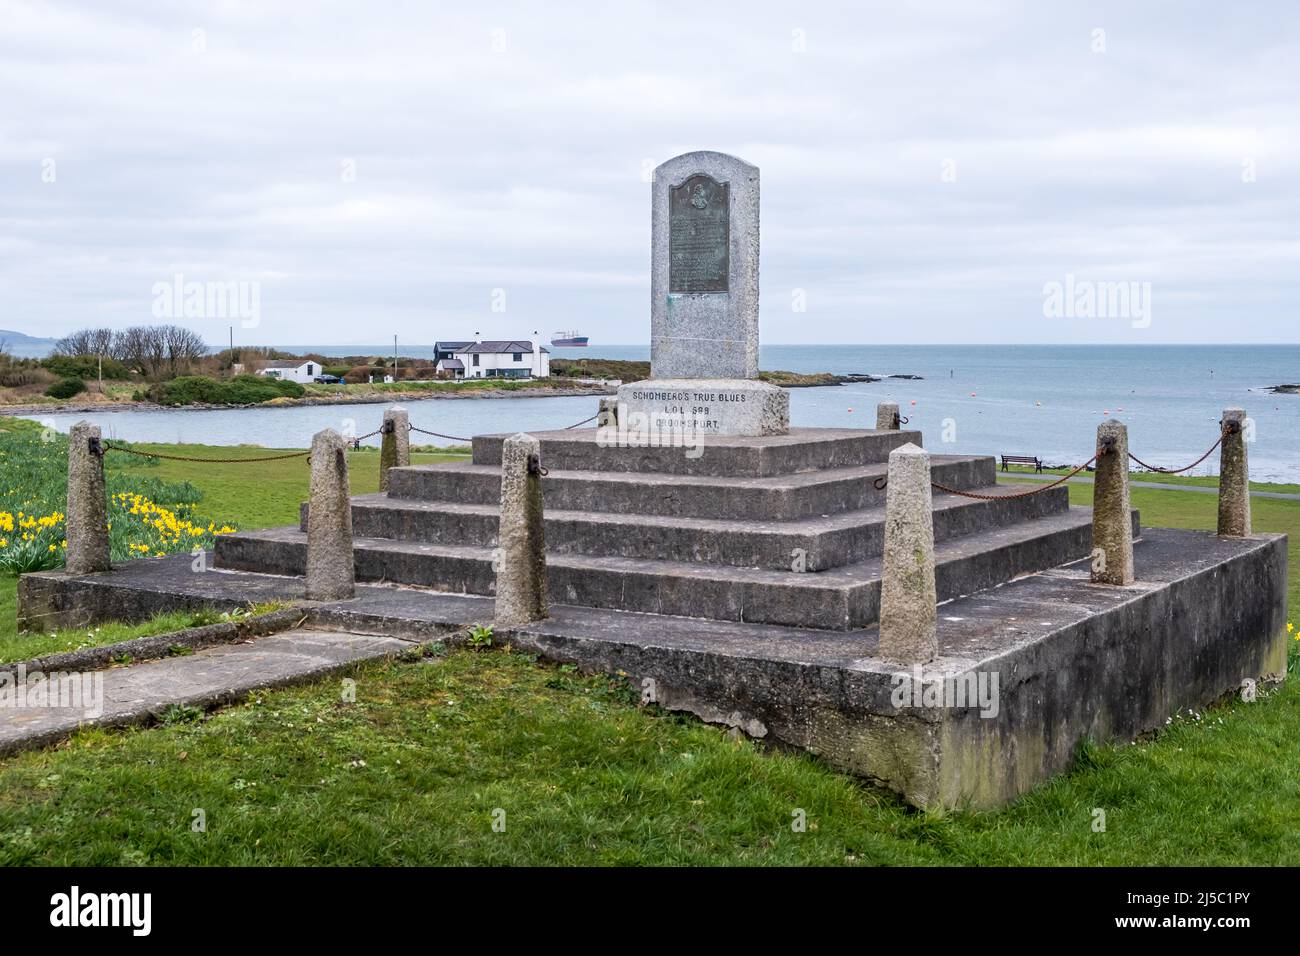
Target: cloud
(380, 170)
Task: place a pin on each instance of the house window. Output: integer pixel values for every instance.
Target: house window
(519, 356)
(475, 358)
(311, 370)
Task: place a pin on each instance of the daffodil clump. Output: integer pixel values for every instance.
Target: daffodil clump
(146, 517)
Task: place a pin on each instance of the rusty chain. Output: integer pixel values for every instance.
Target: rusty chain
(109, 446)
(1174, 471)
(355, 441)
(1020, 494)
(882, 482)
(425, 431)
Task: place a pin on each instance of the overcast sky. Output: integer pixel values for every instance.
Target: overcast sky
(382, 168)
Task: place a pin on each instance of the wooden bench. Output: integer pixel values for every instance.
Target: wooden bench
(1023, 460)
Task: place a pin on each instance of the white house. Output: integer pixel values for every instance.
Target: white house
(513, 359)
(301, 372)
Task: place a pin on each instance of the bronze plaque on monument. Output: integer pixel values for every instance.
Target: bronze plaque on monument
(699, 236)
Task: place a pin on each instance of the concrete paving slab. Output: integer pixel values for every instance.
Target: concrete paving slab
(210, 677)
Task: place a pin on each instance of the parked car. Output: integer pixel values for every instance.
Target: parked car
(327, 380)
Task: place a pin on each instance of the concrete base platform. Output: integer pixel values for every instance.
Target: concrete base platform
(1050, 658)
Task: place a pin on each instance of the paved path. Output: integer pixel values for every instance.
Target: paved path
(210, 677)
(1159, 486)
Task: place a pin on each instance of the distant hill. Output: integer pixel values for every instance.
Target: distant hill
(25, 346)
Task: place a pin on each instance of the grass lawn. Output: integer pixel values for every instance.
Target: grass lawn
(414, 771)
(263, 494)
(1200, 481)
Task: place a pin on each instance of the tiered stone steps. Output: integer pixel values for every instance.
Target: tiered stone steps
(716, 535)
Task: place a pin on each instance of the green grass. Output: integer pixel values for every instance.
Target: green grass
(260, 495)
(19, 647)
(1200, 481)
(414, 770)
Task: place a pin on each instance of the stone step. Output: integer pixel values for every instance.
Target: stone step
(778, 498)
(803, 449)
(818, 543)
(837, 599)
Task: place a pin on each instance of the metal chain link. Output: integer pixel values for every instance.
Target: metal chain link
(109, 446)
(1175, 471)
(425, 431)
(1019, 494)
(882, 482)
(355, 441)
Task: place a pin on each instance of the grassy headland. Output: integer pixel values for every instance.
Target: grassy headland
(85, 382)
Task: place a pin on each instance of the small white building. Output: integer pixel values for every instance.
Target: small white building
(512, 359)
(302, 372)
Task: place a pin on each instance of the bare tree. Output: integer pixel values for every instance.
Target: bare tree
(182, 347)
(88, 342)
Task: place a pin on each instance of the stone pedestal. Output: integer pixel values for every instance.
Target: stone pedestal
(704, 268)
(908, 597)
(699, 408)
(1112, 510)
(87, 501)
(521, 557)
(888, 416)
(704, 308)
(395, 445)
(331, 573)
(1234, 478)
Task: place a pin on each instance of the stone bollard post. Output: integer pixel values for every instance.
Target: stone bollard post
(1112, 511)
(887, 416)
(331, 575)
(907, 593)
(87, 501)
(607, 416)
(521, 562)
(1234, 476)
(395, 443)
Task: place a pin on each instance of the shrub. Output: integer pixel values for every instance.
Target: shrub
(85, 367)
(66, 388)
(240, 390)
(19, 372)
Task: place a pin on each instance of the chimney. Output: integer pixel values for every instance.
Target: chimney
(478, 338)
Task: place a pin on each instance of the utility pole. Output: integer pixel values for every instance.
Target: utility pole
(394, 358)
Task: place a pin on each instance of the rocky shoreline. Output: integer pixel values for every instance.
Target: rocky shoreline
(394, 398)
(1284, 389)
(819, 380)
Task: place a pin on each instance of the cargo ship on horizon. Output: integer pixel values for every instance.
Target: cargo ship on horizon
(569, 340)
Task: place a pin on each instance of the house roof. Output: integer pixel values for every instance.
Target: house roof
(444, 346)
(451, 364)
(514, 346)
(287, 364)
